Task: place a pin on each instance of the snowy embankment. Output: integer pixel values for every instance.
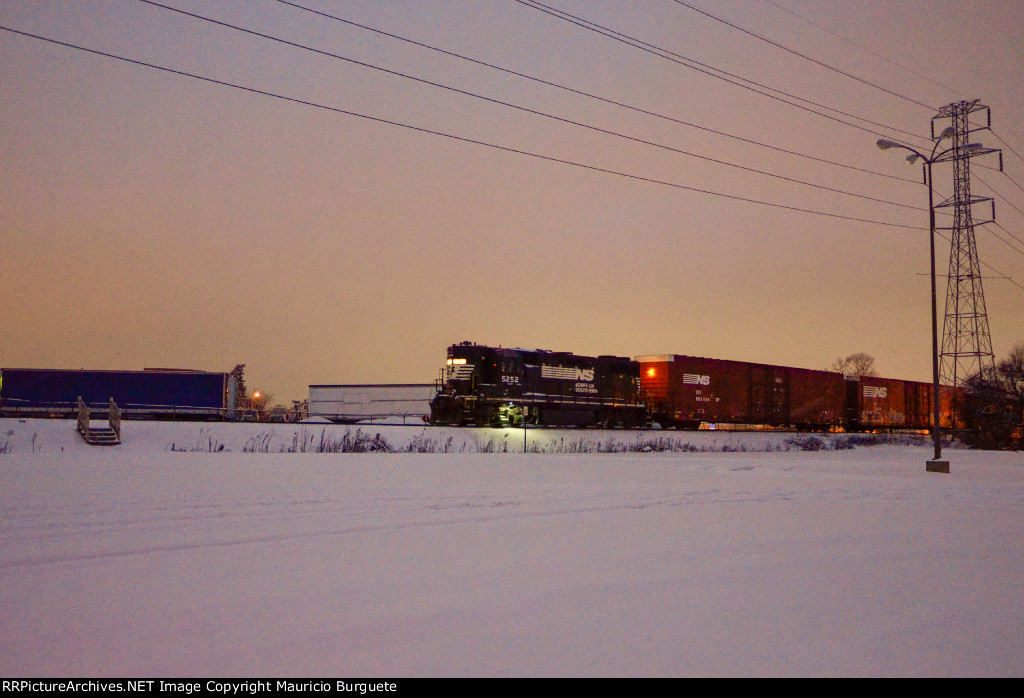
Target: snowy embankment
(55, 436)
(705, 560)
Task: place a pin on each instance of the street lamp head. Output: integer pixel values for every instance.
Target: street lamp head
(912, 158)
(947, 132)
(971, 147)
(884, 144)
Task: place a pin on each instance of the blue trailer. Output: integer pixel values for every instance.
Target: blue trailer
(146, 394)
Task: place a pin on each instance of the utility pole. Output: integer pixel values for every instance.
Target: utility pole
(966, 341)
(966, 344)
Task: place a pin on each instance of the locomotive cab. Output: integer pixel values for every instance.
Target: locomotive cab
(480, 385)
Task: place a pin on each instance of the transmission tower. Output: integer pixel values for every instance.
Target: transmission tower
(966, 341)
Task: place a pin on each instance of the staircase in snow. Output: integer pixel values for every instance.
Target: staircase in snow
(100, 436)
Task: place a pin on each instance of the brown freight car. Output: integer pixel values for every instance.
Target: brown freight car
(686, 391)
(889, 403)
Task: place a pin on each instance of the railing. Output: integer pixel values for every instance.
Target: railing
(83, 418)
(16, 407)
(114, 418)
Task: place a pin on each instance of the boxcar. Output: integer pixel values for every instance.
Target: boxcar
(685, 391)
(352, 404)
(151, 393)
(889, 403)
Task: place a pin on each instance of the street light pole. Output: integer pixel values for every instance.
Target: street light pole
(936, 464)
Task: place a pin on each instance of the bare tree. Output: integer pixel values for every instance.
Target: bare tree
(858, 364)
(994, 405)
(1012, 371)
(261, 404)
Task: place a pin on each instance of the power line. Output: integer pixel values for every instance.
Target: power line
(1002, 172)
(1007, 242)
(1013, 181)
(588, 95)
(862, 48)
(1005, 175)
(994, 191)
(454, 137)
(527, 110)
(996, 224)
(707, 70)
(804, 56)
(1001, 275)
(507, 149)
(1008, 146)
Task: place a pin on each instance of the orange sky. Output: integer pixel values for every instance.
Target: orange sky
(151, 219)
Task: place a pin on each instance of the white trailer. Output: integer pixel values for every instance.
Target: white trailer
(394, 403)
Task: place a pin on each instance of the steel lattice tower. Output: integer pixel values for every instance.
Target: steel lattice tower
(966, 341)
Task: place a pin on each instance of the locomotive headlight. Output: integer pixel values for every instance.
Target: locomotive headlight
(456, 362)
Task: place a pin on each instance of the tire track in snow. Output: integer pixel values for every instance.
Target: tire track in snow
(90, 538)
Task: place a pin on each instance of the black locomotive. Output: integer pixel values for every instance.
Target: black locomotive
(489, 386)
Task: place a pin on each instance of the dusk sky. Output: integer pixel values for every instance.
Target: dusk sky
(324, 232)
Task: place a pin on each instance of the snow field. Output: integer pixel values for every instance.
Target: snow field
(141, 561)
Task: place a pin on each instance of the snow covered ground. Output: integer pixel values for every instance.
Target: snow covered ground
(725, 554)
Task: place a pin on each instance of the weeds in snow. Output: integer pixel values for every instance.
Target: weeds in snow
(359, 441)
(847, 442)
(349, 442)
(257, 444)
(426, 444)
(204, 444)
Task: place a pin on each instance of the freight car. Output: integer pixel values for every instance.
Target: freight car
(354, 404)
(492, 386)
(147, 394)
(686, 391)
